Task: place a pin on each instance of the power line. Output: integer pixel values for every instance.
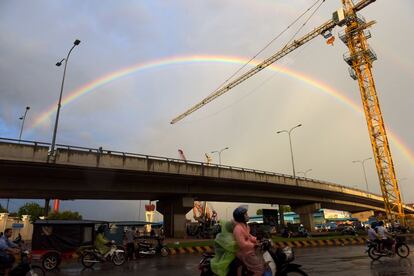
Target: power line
(273, 40)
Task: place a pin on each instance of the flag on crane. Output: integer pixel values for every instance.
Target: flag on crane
(330, 41)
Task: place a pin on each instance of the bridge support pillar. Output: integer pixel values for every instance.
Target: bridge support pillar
(281, 216)
(305, 213)
(174, 211)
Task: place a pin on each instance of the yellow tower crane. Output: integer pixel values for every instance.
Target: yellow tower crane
(360, 58)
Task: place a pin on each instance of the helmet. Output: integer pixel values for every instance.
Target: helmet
(238, 214)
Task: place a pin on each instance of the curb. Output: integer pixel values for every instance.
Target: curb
(293, 244)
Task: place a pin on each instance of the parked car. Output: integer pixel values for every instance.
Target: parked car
(346, 229)
(321, 227)
(331, 226)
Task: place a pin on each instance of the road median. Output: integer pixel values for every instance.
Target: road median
(195, 246)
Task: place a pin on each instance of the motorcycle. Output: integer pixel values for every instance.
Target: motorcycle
(203, 230)
(401, 249)
(92, 256)
(279, 261)
(24, 267)
(146, 248)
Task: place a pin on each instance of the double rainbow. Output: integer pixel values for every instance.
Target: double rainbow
(94, 86)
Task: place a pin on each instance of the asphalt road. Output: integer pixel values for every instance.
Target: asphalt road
(323, 261)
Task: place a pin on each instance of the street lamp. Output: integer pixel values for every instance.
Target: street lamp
(399, 180)
(305, 172)
(290, 142)
(219, 153)
(52, 152)
(23, 118)
(363, 168)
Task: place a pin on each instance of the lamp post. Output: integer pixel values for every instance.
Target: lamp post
(23, 118)
(290, 142)
(219, 153)
(51, 157)
(305, 173)
(363, 168)
(399, 180)
(52, 152)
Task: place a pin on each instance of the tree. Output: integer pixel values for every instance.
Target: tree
(259, 212)
(32, 209)
(285, 208)
(65, 215)
(2, 209)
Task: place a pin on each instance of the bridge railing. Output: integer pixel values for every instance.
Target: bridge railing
(100, 150)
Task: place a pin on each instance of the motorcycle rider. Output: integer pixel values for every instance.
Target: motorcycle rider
(372, 235)
(247, 243)
(385, 237)
(101, 243)
(7, 250)
(225, 250)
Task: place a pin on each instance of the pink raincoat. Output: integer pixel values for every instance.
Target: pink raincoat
(247, 251)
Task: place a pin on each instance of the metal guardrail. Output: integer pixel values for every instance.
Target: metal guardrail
(152, 157)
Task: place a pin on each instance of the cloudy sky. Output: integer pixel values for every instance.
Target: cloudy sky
(158, 41)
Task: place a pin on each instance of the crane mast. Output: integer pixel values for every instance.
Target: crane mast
(359, 58)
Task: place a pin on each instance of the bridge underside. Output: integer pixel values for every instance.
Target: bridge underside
(85, 173)
(38, 180)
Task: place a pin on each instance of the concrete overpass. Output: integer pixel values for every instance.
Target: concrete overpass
(85, 173)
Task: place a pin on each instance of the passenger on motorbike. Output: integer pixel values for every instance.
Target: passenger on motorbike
(7, 250)
(225, 250)
(372, 235)
(101, 243)
(385, 237)
(247, 243)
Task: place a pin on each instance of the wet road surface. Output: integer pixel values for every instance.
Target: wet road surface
(324, 261)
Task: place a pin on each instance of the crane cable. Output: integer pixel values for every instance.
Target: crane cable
(273, 40)
(270, 78)
(304, 23)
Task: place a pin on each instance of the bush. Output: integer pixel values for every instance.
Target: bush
(65, 215)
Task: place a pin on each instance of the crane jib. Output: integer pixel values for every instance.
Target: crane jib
(329, 25)
(269, 61)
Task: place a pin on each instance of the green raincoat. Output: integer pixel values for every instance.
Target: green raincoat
(100, 244)
(225, 249)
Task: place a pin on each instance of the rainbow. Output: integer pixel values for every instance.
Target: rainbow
(102, 81)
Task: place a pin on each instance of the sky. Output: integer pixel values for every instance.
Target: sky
(141, 63)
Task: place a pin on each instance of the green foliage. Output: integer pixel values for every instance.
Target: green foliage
(33, 209)
(259, 212)
(65, 215)
(2, 209)
(285, 208)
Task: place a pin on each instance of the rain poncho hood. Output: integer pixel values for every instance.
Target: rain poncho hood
(225, 249)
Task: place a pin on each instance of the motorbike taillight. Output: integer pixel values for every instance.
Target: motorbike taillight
(29, 257)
